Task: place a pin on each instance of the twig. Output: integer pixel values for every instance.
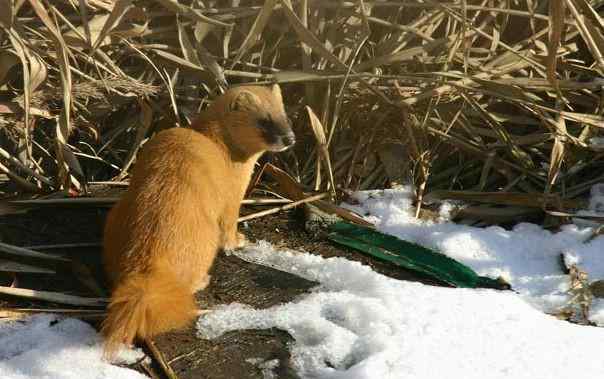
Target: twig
(122, 183)
(100, 201)
(255, 180)
(86, 314)
(55, 297)
(4, 154)
(158, 355)
(24, 183)
(181, 356)
(21, 251)
(64, 246)
(18, 267)
(265, 201)
(108, 201)
(282, 208)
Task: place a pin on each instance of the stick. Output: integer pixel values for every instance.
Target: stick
(52, 310)
(23, 167)
(19, 179)
(181, 356)
(64, 246)
(265, 201)
(11, 266)
(21, 251)
(108, 201)
(102, 201)
(157, 354)
(111, 184)
(87, 314)
(282, 208)
(55, 297)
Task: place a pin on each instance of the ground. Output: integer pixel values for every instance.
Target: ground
(233, 280)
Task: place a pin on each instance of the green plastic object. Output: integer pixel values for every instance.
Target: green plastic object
(410, 256)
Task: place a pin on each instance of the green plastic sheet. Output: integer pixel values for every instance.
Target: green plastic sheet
(410, 256)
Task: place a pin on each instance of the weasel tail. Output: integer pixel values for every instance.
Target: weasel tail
(145, 305)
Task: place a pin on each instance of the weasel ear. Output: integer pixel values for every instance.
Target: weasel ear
(245, 101)
(276, 90)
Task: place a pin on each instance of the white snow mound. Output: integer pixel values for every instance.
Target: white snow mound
(528, 256)
(360, 324)
(46, 347)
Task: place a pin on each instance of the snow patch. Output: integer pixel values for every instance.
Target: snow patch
(47, 347)
(528, 256)
(359, 324)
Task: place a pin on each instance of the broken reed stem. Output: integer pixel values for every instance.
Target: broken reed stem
(85, 314)
(181, 356)
(4, 154)
(255, 180)
(64, 246)
(161, 360)
(99, 201)
(21, 251)
(110, 184)
(51, 310)
(55, 297)
(109, 201)
(283, 208)
(22, 182)
(265, 201)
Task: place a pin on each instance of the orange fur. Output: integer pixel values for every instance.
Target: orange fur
(182, 205)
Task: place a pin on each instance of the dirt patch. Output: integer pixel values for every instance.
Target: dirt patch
(233, 355)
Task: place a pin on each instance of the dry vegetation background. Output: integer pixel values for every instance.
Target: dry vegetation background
(493, 98)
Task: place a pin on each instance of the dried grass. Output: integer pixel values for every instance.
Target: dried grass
(482, 96)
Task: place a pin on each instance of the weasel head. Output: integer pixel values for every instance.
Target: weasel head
(255, 119)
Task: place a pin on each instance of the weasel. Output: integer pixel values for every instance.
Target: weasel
(181, 207)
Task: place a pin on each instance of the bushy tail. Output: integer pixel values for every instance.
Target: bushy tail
(146, 305)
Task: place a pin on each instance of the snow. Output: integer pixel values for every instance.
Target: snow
(528, 256)
(267, 367)
(48, 347)
(359, 324)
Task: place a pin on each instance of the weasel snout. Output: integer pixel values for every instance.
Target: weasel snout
(282, 142)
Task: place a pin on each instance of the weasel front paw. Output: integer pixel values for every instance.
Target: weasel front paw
(237, 242)
(241, 240)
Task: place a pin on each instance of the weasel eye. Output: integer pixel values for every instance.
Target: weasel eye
(265, 123)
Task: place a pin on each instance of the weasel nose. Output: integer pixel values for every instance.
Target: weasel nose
(288, 139)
